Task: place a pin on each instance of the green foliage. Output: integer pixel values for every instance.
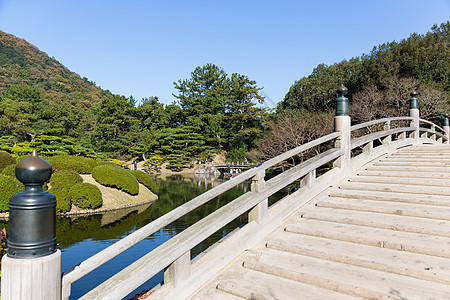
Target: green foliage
(8, 187)
(154, 161)
(67, 162)
(179, 146)
(425, 58)
(63, 203)
(65, 179)
(86, 196)
(54, 145)
(114, 176)
(220, 108)
(5, 160)
(116, 125)
(9, 170)
(145, 180)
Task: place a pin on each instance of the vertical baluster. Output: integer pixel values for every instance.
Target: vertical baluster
(388, 139)
(308, 179)
(260, 212)
(179, 270)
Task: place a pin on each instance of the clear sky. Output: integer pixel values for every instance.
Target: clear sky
(140, 48)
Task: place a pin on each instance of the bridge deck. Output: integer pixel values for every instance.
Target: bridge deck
(382, 234)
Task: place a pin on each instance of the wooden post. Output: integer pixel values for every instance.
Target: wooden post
(260, 212)
(414, 113)
(308, 180)
(388, 139)
(342, 124)
(179, 270)
(446, 126)
(32, 267)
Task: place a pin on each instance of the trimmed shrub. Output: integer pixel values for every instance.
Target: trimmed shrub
(5, 160)
(10, 170)
(8, 187)
(114, 176)
(145, 180)
(86, 196)
(85, 160)
(65, 179)
(63, 203)
(67, 162)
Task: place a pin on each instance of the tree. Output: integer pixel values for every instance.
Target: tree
(222, 109)
(203, 98)
(289, 129)
(116, 126)
(244, 121)
(23, 111)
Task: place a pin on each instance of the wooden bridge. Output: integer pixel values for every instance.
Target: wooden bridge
(371, 220)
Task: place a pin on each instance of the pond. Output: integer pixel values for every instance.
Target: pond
(83, 236)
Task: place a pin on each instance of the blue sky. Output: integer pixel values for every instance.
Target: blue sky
(140, 48)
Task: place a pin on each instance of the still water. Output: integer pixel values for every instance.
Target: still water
(83, 236)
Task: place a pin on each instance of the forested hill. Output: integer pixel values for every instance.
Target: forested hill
(23, 63)
(383, 75)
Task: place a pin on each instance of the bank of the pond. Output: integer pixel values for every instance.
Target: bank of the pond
(113, 199)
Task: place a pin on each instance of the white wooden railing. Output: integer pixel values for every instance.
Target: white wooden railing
(183, 276)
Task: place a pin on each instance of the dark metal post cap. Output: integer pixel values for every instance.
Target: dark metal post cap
(33, 170)
(341, 103)
(342, 90)
(446, 120)
(413, 103)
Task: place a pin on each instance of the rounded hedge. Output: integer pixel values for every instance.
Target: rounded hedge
(63, 203)
(145, 180)
(10, 170)
(9, 186)
(65, 179)
(86, 196)
(114, 176)
(68, 162)
(5, 160)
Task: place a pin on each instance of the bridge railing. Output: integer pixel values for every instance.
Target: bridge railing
(183, 275)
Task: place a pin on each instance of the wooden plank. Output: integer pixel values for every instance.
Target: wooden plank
(394, 197)
(414, 265)
(405, 241)
(427, 190)
(391, 208)
(352, 280)
(412, 163)
(417, 225)
(250, 284)
(403, 181)
(408, 169)
(391, 174)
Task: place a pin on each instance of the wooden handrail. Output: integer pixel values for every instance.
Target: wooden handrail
(150, 264)
(183, 242)
(432, 124)
(378, 135)
(379, 121)
(132, 239)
